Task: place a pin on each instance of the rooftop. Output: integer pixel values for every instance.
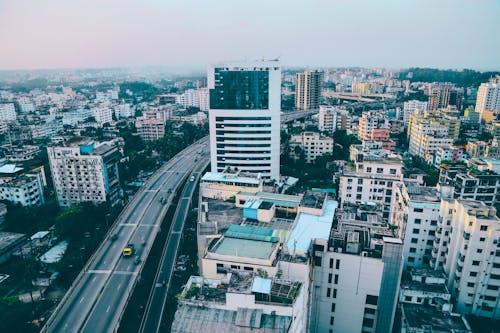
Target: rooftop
(9, 239)
(282, 200)
(55, 253)
(308, 227)
(224, 213)
(313, 199)
(10, 169)
(422, 193)
(224, 177)
(421, 316)
(247, 248)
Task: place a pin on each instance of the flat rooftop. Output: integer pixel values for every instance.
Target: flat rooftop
(281, 200)
(245, 248)
(422, 193)
(9, 239)
(195, 319)
(224, 177)
(308, 226)
(420, 316)
(313, 199)
(223, 212)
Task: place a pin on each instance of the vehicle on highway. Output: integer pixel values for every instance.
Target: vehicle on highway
(161, 200)
(113, 237)
(137, 260)
(191, 179)
(128, 250)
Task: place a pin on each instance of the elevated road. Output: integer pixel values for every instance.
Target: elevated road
(158, 297)
(97, 298)
(290, 116)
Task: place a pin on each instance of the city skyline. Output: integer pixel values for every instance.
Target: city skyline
(193, 35)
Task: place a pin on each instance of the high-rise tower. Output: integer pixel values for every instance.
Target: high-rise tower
(244, 116)
(308, 90)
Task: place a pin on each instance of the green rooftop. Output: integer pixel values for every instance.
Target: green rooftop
(245, 248)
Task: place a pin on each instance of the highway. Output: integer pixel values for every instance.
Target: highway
(156, 304)
(97, 298)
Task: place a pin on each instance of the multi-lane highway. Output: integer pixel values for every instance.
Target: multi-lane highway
(98, 297)
(156, 304)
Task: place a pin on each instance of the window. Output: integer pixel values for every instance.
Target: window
(479, 250)
(360, 182)
(337, 264)
(333, 307)
(413, 250)
(392, 171)
(331, 263)
(418, 210)
(473, 274)
(368, 322)
(334, 293)
(380, 170)
(414, 240)
(371, 299)
(482, 239)
(483, 228)
(490, 287)
(418, 221)
(470, 284)
(416, 230)
(332, 319)
(336, 281)
(369, 169)
(411, 259)
(330, 276)
(475, 263)
(371, 311)
(328, 292)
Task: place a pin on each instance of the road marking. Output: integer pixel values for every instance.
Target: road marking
(95, 277)
(82, 300)
(109, 307)
(128, 224)
(128, 267)
(176, 232)
(154, 191)
(99, 271)
(147, 225)
(119, 286)
(124, 273)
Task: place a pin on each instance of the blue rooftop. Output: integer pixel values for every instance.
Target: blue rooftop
(308, 227)
(261, 285)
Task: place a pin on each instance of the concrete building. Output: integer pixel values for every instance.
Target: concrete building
(443, 94)
(471, 260)
(194, 97)
(410, 107)
(488, 98)
(20, 187)
(371, 179)
(85, 171)
(331, 118)
(227, 184)
(356, 283)
(426, 137)
(415, 212)
(150, 129)
(103, 114)
(312, 144)
(308, 90)
(7, 112)
(244, 117)
(451, 154)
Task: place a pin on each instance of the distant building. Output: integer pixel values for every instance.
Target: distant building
(331, 118)
(312, 144)
(410, 107)
(7, 112)
(244, 117)
(443, 94)
(308, 90)
(150, 129)
(488, 98)
(103, 114)
(84, 171)
(20, 187)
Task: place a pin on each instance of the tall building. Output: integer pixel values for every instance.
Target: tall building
(443, 94)
(410, 107)
(308, 90)
(7, 112)
(312, 144)
(85, 172)
(331, 118)
(488, 98)
(244, 117)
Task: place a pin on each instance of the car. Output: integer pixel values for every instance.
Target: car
(128, 250)
(137, 260)
(161, 200)
(191, 179)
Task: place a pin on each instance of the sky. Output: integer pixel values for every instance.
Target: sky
(47, 34)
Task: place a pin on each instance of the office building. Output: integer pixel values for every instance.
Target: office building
(308, 90)
(488, 99)
(244, 117)
(85, 171)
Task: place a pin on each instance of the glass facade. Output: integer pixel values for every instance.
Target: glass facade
(240, 90)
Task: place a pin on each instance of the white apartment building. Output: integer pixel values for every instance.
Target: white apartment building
(22, 188)
(7, 112)
(103, 114)
(124, 111)
(450, 154)
(355, 289)
(416, 213)
(312, 144)
(488, 97)
(244, 117)
(85, 171)
(150, 129)
(410, 107)
(426, 138)
(471, 259)
(331, 118)
(226, 184)
(372, 179)
(194, 97)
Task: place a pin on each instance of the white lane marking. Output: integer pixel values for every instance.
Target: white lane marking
(99, 271)
(82, 300)
(107, 310)
(119, 286)
(95, 277)
(128, 267)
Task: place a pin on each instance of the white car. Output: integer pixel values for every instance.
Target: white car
(191, 179)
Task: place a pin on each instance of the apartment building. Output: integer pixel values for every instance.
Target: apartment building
(426, 137)
(312, 144)
(371, 179)
(441, 95)
(7, 112)
(331, 118)
(410, 107)
(150, 128)
(488, 99)
(451, 154)
(85, 171)
(308, 90)
(21, 187)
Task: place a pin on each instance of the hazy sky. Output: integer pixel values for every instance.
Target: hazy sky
(389, 33)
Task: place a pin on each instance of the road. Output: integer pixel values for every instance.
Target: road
(158, 297)
(97, 298)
